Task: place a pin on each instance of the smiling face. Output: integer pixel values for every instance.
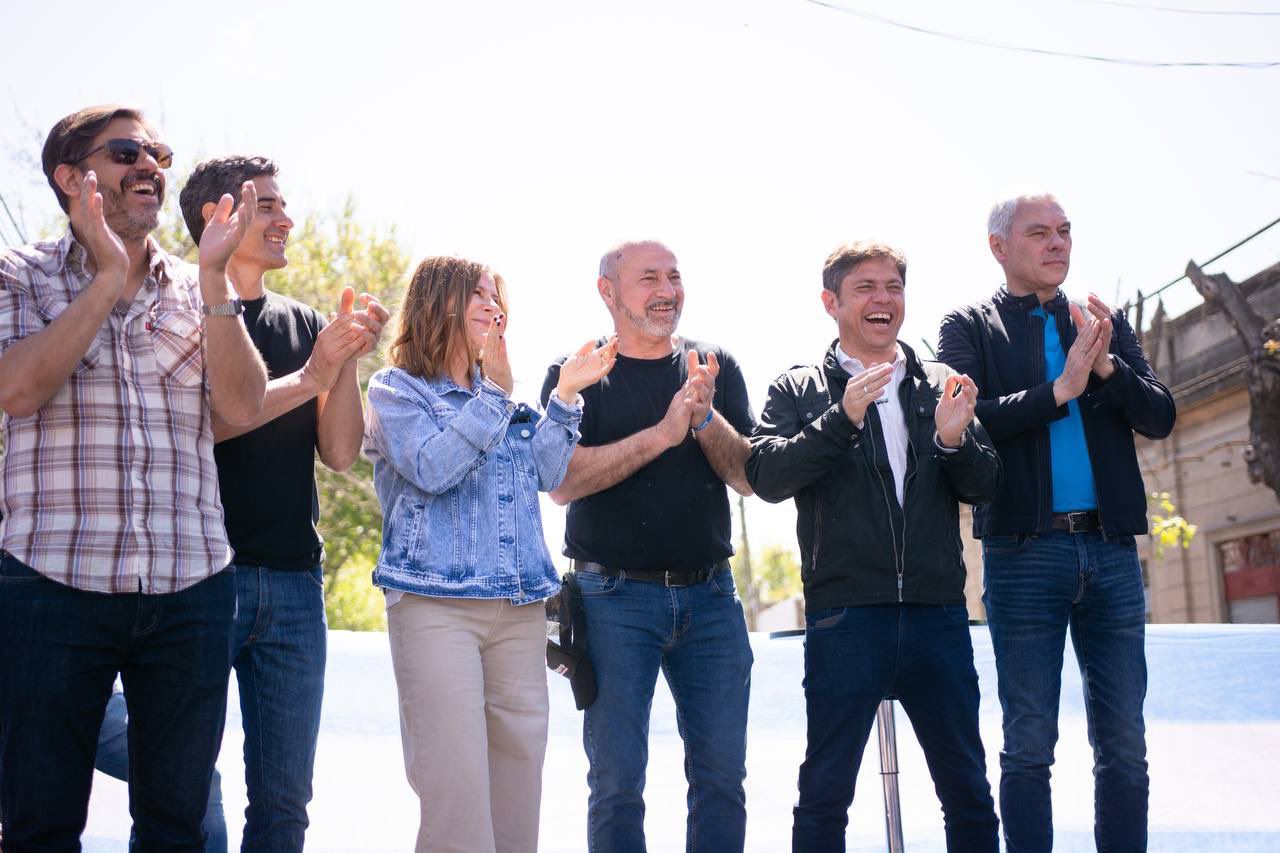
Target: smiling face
(483, 305)
(263, 246)
(869, 308)
(648, 293)
(1037, 253)
(131, 195)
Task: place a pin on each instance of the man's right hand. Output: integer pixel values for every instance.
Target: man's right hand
(863, 390)
(1093, 337)
(674, 426)
(109, 255)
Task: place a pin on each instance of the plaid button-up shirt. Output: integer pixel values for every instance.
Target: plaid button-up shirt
(111, 486)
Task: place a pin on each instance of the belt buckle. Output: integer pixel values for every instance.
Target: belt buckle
(679, 581)
(1073, 517)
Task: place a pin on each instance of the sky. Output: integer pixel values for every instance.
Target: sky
(751, 136)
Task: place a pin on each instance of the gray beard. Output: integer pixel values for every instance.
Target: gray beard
(653, 328)
(127, 226)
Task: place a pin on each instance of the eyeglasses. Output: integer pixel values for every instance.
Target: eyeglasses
(125, 152)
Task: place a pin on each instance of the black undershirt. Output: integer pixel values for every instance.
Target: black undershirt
(267, 475)
(673, 513)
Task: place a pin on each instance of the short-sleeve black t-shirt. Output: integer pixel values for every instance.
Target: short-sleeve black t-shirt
(674, 512)
(267, 475)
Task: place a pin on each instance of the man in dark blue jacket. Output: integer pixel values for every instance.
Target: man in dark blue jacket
(1062, 389)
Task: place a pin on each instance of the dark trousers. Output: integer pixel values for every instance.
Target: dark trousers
(854, 657)
(62, 649)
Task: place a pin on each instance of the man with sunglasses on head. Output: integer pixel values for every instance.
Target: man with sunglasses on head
(266, 469)
(114, 360)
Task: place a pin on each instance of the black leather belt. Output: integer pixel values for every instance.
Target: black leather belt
(1084, 521)
(664, 577)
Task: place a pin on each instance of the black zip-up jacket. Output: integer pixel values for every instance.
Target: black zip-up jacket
(999, 343)
(857, 545)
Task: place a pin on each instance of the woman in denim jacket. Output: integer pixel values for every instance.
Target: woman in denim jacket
(464, 563)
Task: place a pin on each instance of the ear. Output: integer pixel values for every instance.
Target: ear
(69, 179)
(605, 287)
(997, 248)
(206, 211)
(830, 301)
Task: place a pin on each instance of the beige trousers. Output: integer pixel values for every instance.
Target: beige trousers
(471, 674)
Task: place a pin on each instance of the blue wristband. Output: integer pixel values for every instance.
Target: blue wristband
(706, 423)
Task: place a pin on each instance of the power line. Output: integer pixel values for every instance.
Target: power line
(1180, 10)
(1216, 257)
(1113, 60)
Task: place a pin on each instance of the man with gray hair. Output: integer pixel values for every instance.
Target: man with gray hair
(1062, 388)
(649, 533)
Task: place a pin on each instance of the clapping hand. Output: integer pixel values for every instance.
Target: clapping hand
(955, 410)
(586, 367)
(1101, 313)
(224, 231)
(109, 254)
(864, 389)
(700, 386)
(372, 318)
(493, 360)
(1092, 338)
(343, 339)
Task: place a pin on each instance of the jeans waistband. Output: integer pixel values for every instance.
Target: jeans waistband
(666, 577)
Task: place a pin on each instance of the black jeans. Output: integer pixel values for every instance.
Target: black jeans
(62, 649)
(854, 657)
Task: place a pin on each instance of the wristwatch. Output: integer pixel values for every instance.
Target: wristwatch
(233, 308)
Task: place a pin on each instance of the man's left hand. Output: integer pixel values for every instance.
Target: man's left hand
(955, 410)
(700, 387)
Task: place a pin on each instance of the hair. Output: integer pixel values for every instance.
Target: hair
(433, 315)
(215, 178)
(846, 258)
(610, 260)
(71, 138)
(1000, 219)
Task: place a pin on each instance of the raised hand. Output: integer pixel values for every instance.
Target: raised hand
(1102, 365)
(955, 410)
(700, 386)
(493, 356)
(674, 426)
(223, 233)
(864, 389)
(1084, 352)
(338, 342)
(372, 318)
(109, 254)
(586, 367)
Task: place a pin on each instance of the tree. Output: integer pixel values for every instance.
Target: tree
(1261, 339)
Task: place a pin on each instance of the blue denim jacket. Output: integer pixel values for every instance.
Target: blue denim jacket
(458, 473)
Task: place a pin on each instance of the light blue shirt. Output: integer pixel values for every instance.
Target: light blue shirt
(458, 471)
(1073, 487)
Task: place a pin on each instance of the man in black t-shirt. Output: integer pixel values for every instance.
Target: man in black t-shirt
(266, 476)
(649, 533)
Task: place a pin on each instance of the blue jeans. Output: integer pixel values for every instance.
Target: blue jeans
(62, 649)
(697, 637)
(279, 649)
(1038, 587)
(854, 657)
(113, 759)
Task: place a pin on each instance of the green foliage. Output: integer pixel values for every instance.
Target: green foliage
(1167, 527)
(350, 602)
(778, 574)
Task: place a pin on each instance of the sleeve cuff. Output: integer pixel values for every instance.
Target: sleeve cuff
(561, 412)
(948, 451)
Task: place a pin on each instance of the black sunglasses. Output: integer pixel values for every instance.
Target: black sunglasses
(125, 152)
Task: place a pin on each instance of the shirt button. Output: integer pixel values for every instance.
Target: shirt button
(524, 433)
(137, 475)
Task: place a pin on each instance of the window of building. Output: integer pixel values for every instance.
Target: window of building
(1251, 577)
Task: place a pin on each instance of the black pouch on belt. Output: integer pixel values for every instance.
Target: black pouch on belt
(569, 656)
